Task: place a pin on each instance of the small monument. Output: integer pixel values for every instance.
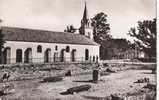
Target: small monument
(95, 75)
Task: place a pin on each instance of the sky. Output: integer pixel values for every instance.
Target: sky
(55, 15)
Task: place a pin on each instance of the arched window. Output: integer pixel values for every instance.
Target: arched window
(86, 54)
(67, 49)
(39, 48)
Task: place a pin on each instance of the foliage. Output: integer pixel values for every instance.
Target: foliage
(114, 46)
(1, 43)
(70, 28)
(145, 35)
(121, 44)
(109, 47)
(1, 39)
(101, 27)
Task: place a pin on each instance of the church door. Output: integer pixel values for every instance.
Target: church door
(73, 55)
(7, 54)
(56, 57)
(28, 55)
(62, 55)
(47, 56)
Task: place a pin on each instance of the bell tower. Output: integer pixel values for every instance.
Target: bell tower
(86, 28)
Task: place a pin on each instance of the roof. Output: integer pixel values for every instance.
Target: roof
(33, 35)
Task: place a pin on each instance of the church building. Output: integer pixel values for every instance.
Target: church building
(40, 46)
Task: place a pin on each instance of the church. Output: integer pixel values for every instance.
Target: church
(24, 45)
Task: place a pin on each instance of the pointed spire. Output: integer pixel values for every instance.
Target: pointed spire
(86, 28)
(85, 14)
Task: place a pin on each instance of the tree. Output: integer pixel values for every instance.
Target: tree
(70, 28)
(121, 44)
(1, 43)
(100, 31)
(145, 36)
(100, 27)
(114, 47)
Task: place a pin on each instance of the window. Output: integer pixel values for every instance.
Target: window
(56, 47)
(39, 48)
(86, 54)
(67, 49)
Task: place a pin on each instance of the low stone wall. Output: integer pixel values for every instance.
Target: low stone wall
(127, 66)
(33, 71)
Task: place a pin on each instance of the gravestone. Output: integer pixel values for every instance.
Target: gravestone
(79, 89)
(95, 75)
(52, 79)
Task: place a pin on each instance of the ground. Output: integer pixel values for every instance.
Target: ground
(121, 82)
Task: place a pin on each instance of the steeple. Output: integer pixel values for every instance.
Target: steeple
(86, 28)
(85, 20)
(85, 14)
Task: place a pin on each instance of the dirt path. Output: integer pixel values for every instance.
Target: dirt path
(121, 82)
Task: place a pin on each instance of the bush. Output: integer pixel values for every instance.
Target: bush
(105, 64)
(150, 97)
(7, 89)
(110, 70)
(147, 59)
(150, 86)
(68, 73)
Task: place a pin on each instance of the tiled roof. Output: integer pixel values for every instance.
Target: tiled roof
(32, 35)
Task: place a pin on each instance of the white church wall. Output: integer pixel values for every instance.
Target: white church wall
(39, 57)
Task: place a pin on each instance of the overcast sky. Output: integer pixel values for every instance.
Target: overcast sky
(56, 14)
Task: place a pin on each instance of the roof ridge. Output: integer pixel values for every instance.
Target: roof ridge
(11, 27)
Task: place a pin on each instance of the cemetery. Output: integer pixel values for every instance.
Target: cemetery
(87, 81)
